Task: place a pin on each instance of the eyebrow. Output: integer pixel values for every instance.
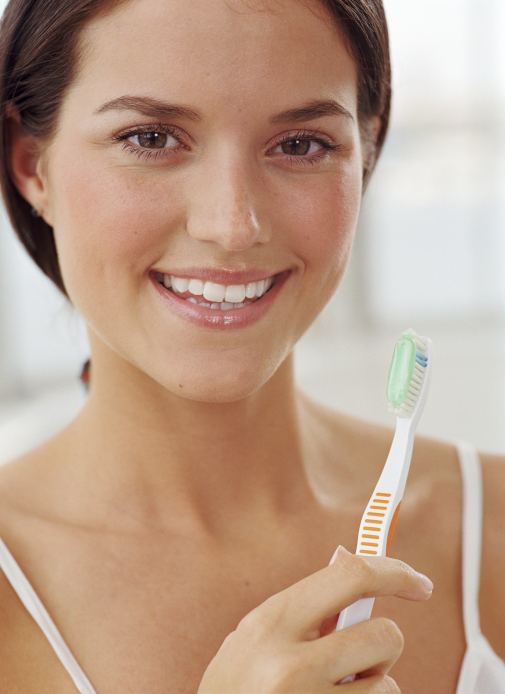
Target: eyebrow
(310, 111)
(150, 107)
(161, 110)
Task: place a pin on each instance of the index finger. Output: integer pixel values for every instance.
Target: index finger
(301, 609)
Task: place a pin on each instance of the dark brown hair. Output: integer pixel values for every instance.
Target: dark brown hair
(39, 55)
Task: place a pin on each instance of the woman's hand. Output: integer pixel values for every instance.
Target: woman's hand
(278, 648)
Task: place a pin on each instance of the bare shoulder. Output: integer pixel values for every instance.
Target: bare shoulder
(493, 475)
(492, 595)
(26, 482)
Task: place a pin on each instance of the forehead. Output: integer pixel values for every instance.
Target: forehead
(240, 51)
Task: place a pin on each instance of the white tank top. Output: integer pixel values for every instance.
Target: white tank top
(483, 672)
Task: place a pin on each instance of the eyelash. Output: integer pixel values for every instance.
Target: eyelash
(305, 135)
(302, 160)
(147, 154)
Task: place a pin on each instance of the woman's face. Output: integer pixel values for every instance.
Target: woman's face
(215, 141)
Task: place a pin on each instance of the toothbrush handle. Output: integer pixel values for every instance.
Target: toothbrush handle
(358, 612)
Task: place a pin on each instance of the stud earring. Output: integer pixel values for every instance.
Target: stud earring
(35, 212)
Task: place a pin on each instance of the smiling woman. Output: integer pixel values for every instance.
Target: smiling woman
(197, 171)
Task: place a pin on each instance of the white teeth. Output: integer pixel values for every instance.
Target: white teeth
(195, 287)
(250, 290)
(235, 294)
(192, 300)
(214, 292)
(218, 293)
(180, 284)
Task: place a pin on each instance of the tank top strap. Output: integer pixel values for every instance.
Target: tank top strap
(471, 474)
(36, 609)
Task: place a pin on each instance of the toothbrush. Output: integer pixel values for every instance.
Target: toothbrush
(407, 391)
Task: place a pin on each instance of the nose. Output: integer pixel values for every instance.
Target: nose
(225, 207)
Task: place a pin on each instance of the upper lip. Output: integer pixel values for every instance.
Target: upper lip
(221, 275)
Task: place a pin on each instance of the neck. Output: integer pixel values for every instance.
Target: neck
(164, 457)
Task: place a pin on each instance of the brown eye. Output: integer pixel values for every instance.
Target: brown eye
(296, 148)
(152, 140)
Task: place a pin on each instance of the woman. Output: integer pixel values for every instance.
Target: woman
(190, 175)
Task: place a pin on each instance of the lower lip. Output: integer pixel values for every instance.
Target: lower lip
(215, 318)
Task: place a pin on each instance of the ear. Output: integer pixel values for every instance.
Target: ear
(27, 169)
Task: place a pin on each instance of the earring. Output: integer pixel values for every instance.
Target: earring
(35, 212)
(86, 374)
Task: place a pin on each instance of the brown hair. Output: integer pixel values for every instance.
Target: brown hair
(39, 55)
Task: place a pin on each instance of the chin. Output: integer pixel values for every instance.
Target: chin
(229, 388)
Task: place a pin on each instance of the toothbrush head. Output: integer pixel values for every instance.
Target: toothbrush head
(409, 374)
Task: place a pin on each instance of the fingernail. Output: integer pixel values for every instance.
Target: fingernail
(341, 550)
(426, 582)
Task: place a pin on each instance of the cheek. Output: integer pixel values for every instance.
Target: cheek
(324, 215)
(110, 226)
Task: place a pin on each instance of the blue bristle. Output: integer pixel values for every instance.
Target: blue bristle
(421, 359)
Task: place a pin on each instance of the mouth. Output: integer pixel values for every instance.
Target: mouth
(217, 297)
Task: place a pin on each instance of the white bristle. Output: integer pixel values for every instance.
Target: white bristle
(421, 344)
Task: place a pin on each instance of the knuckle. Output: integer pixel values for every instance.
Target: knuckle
(252, 623)
(262, 619)
(401, 567)
(389, 634)
(359, 571)
(382, 684)
(389, 686)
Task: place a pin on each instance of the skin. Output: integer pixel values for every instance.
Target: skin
(167, 496)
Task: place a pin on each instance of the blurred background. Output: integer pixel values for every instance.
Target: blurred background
(429, 254)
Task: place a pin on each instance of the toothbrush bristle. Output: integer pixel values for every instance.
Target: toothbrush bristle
(406, 409)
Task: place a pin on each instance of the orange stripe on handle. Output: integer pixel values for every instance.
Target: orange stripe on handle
(392, 527)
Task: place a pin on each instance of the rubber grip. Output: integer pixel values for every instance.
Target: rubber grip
(392, 527)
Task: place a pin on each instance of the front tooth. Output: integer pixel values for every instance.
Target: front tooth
(226, 305)
(214, 292)
(260, 287)
(167, 281)
(235, 294)
(180, 284)
(195, 287)
(250, 290)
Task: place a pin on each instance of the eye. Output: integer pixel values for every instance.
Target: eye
(153, 140)
(298, 147)
(303, 147)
